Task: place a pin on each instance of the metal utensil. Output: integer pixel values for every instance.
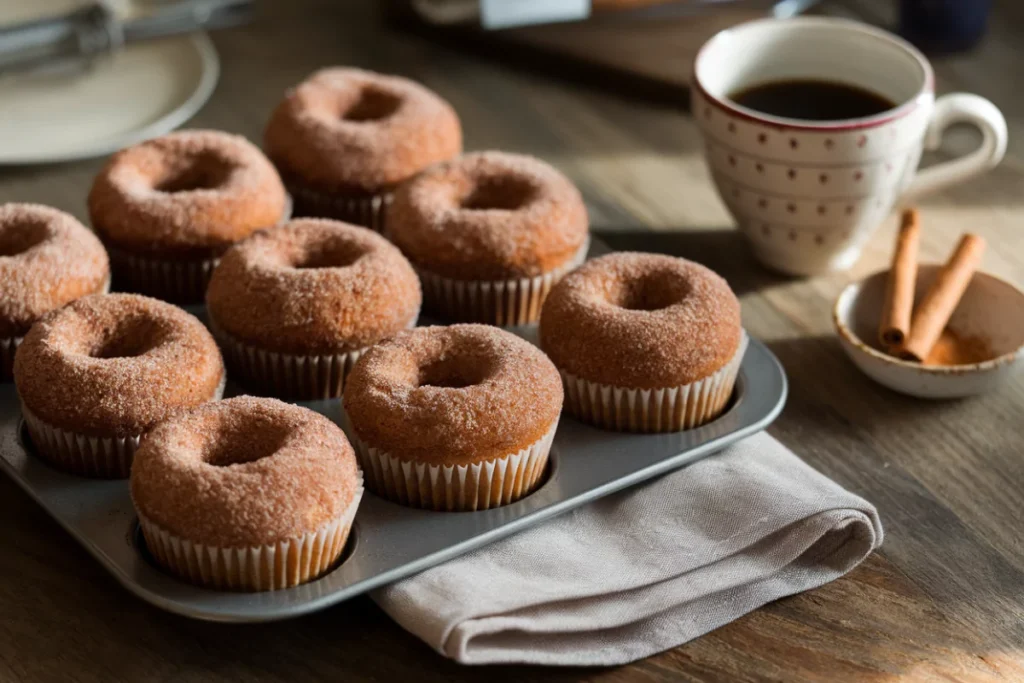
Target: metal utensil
(79, 37)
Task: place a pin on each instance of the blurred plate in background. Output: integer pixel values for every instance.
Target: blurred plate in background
(138, 92)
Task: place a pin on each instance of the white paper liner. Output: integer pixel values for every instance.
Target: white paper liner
(301, 378)
(671, 409)
(101, 457)
(259, 568)
(503, 303)
(451, 488)
(9, 345)
(368, 211)
(89, 456)
(181, 281)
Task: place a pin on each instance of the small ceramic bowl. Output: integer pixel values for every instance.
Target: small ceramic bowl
(991, 310)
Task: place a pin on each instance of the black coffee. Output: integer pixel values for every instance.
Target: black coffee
(812, 100)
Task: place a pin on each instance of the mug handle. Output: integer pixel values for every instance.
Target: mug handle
(960, 108)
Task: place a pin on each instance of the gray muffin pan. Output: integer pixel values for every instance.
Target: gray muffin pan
(388, 541)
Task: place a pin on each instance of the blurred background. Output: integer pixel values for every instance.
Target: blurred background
(598, 88)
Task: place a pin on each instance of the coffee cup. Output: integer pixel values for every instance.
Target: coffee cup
(809, 193)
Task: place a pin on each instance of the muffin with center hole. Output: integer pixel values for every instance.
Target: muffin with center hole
(167, 208)
(100, 372)
(247, 494)
(644, 342)
(294, 307)
(344, 138)
(453, 418)
(489, 233)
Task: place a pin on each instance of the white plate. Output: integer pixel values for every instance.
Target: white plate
(141, 91)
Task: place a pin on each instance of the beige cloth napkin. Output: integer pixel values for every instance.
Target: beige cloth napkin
(645, 569)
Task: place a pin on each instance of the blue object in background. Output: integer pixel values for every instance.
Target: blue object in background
(944, 25)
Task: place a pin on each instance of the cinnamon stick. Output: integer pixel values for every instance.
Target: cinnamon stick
(942, 297)
(899, 291)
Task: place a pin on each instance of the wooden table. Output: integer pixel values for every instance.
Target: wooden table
(943, 600)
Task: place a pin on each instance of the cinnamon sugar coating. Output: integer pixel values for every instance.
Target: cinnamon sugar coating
(352, 131)
(187, 194)
(116, 364)
(641, 321)
(488, 216)
(244, 472)
(454, 395)
(313, 286)
(47, 258)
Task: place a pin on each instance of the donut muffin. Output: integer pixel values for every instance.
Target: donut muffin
(489, 234)
(453, 418)
(344, 138)
(95, 375)
(294, 307)
(169, 207)
(247, 494)
(47, 258)
(644, 342)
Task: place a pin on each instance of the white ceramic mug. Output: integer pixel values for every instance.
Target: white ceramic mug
(809, 194)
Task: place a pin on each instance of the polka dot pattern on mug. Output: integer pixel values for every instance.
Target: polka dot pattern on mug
(816, 189)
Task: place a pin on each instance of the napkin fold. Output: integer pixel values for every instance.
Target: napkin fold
(646, 569)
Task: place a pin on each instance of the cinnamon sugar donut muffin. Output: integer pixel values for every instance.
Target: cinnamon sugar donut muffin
(453, 418)
(344, 138)
(95, 375)
(644, 342)
(489, 234)
(169, 207)
(47, 258)
(247, 494)
(295, 306)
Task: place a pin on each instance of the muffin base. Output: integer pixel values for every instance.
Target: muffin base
(671, 409)
(98, 457)
(368, 211)
(299, 378)
(180, 281)
(274, 566)
(504, 303)
(455, 488)
(106, 457)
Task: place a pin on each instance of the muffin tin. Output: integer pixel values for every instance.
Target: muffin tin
(388, 541)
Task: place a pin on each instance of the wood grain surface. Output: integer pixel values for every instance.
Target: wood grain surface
(943, 600)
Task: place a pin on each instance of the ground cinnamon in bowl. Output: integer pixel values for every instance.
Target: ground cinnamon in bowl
(955, 349)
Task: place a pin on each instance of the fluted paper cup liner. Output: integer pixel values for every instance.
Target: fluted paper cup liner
(269, 567)
(368, 211)
(101, 457)
(9, 345)
(671, 409)
(455, 487)
(298, 377)
(504, 303)
(181, 281)
(106, 457)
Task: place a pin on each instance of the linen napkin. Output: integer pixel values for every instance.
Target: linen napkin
(645, 569)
